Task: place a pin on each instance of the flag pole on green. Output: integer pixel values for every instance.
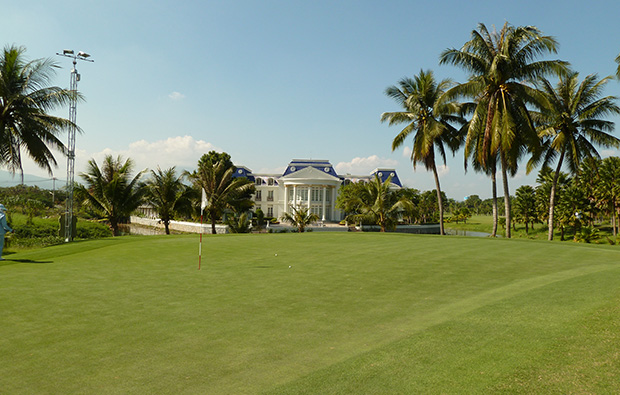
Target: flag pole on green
(203, 204)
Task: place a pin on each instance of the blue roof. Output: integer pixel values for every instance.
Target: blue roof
(243, 172)
(322, 165)
(384, 174)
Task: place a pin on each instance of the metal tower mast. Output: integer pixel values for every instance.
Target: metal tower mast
(75, 77)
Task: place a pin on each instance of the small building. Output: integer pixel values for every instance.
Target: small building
(309, 183)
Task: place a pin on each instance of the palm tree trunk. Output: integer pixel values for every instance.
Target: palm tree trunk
(494, 191)
(506, 197)
(213, 219)
(167, 226)
(613, 219)
(439, 200)
(114, 226)
(552, 197)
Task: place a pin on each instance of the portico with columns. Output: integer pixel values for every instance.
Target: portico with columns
(308, 183)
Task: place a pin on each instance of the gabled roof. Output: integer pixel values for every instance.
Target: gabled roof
(319, 164)
(310, 173)
(385, 173)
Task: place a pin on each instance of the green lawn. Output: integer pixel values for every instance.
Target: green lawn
(484, 223)
(354, 313)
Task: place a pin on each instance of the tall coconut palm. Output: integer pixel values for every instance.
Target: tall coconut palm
(499, 64)
(429, 120)
(223, 191)
(168, 195)
(573, 123)
(110, 190)
(25, 102)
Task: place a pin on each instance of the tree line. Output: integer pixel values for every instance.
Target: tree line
(508, 110)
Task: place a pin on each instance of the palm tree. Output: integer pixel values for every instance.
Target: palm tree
(607, 189)
(428, 118)
(525, 206)
(499, 63)
(300, 218)
(223, 191)
(573, 123)
(25, 100)
(239, 223)
(168, 195)
(110, 191)
(543, 190)
(379, 204)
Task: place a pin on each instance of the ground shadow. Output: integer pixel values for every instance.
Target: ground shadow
(9, 261)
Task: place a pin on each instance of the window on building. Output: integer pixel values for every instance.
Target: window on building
(317, 194)
(270, 182)
(270, 211)
(270, 196)
(258, 181)
(257, 196)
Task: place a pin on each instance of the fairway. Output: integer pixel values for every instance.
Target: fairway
(330, 313)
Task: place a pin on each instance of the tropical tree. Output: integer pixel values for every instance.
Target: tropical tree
(501, 130)
(543, 191)
(607, 189)
(25, 102)
(429, 120)
(573, 123)
(348, 198)
(570, 208)
(168, 195)
(111, 191)
(239, 223)
(379, 204)
(586, 180)
(223, 190)
(300, 218)
(525, 206)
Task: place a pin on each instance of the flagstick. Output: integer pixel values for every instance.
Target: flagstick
(200, 245)
(203, 204)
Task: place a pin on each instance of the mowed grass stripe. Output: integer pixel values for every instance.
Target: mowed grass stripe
(550, 340)
(135, 315)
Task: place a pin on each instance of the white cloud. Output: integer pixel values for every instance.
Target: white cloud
(443, 170)
(179, 151)
(362, 166)
(407, 152)
(608, 152)
(176, 96)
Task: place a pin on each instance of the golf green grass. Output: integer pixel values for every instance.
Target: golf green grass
(331, 313)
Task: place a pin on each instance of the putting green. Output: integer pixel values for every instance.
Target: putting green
(330, 313)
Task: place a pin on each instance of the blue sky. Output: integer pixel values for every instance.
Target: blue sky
(271, 81)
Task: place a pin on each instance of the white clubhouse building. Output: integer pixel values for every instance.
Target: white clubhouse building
(308, 183)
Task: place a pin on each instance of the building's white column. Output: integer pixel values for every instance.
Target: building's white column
(333, 204)
(295, 196)
(309, 196)
(285, 200)
(324, 199)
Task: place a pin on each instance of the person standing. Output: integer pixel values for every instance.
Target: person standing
(4, 227)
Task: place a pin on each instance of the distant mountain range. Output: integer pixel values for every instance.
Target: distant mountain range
(9, 180)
